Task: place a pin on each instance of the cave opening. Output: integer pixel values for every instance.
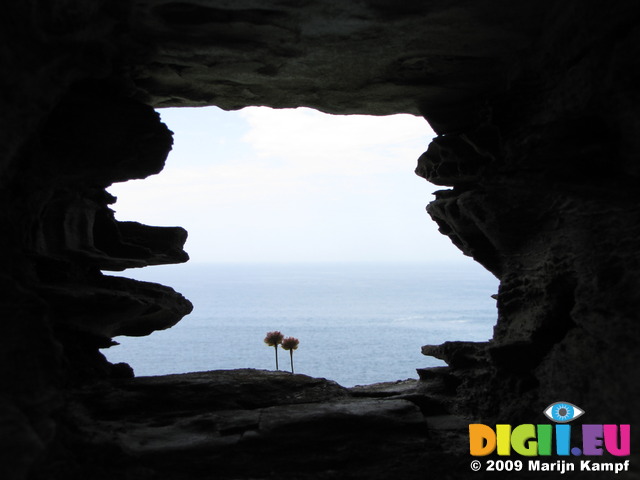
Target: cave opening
(308, 223)
(536, 107)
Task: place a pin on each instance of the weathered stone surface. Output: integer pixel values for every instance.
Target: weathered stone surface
(458, 355)
(385, 389)
(58, 233)
(411, 58)
(537, 108)
(118, 306)
(537, 208)
(244, 424)
(205, 391)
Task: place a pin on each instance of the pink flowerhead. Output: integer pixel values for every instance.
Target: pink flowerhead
(290, 343)
(273, 338)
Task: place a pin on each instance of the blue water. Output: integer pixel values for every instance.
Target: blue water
(357, 323)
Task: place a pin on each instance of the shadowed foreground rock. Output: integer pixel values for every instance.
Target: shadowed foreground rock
(244, 424)
(537, 112)
(241, 424)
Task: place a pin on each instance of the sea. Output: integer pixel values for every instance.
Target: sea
(357, 323)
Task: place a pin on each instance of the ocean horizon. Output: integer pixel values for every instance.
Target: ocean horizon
(358, 323)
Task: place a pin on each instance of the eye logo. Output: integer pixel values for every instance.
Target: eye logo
(563, 412)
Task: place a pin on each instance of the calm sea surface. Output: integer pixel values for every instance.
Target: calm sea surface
(357, 323)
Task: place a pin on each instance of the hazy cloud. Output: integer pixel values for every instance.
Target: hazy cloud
(291, 185)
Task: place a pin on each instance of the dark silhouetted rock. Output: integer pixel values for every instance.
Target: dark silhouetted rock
(245, 424)
(537, 112)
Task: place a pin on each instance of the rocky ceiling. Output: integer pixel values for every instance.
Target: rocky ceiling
(538, 111)
(373, 57)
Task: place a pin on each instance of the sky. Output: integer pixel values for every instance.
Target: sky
(292, 185)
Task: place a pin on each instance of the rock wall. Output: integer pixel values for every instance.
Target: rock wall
(544, 196)
(63, 140)
(536, 105)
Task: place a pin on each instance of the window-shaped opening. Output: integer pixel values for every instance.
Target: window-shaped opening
(310, 224)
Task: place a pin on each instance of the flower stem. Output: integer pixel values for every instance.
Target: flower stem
(276, 347)
(291, 353)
